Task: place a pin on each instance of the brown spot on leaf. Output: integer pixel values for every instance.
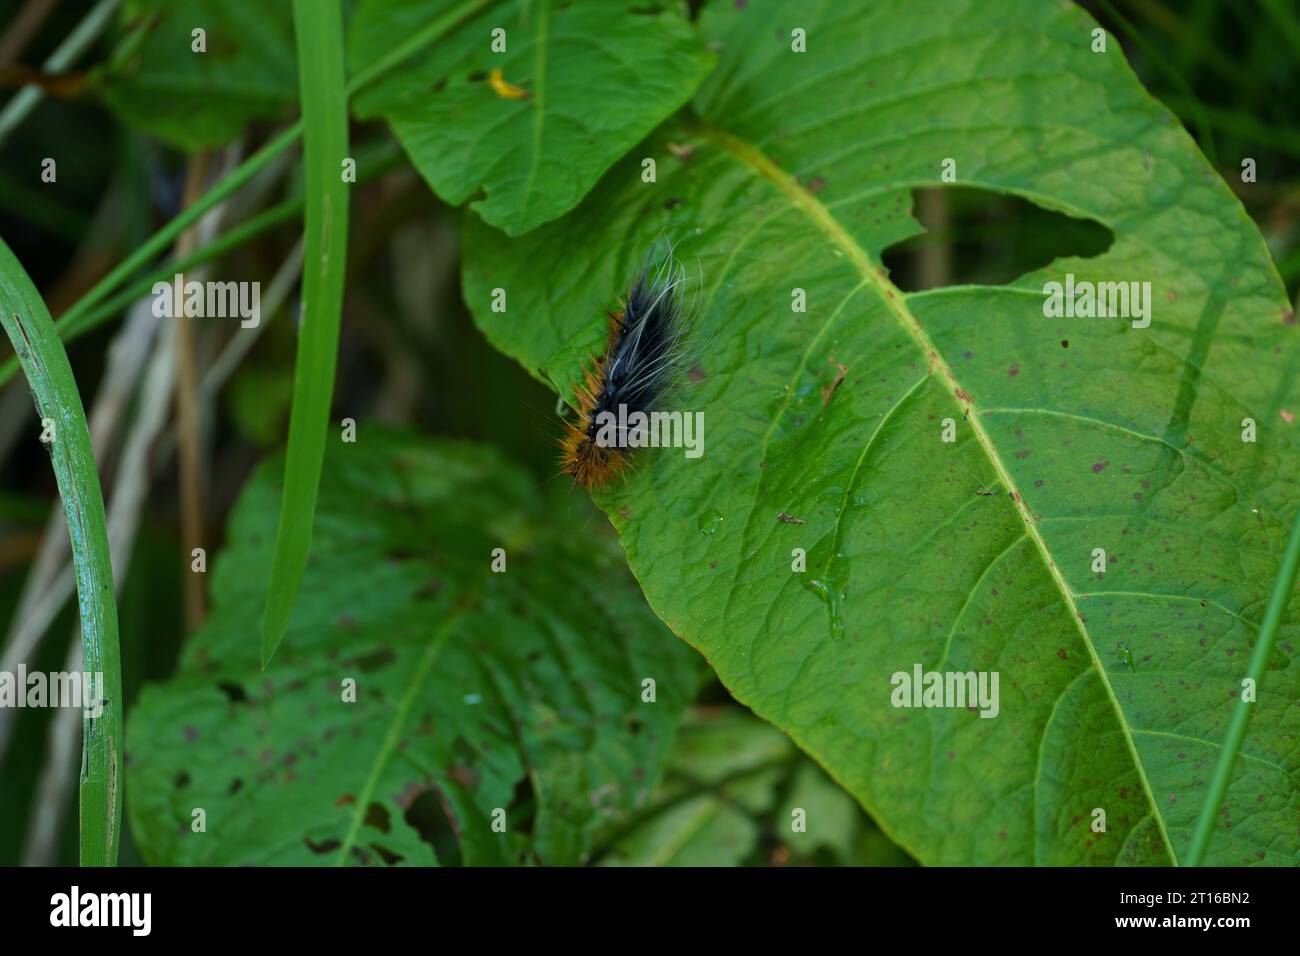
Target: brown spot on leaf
(467, 777)
(829, 390)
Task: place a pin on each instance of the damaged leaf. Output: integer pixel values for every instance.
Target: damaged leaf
(419, 695)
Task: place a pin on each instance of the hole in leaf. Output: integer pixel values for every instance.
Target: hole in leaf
(235, 692)
(523, 806)
(983, 237)
(376, 659)
(324, 846)
(388, 856)
(427, 816)
(377, 817)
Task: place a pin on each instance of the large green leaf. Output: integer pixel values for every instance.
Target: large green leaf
(158, 83)
(597, 77)
(1071, 434)
(475, 690)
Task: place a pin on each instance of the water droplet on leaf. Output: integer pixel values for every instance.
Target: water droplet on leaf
(710, 521)
(829, 587)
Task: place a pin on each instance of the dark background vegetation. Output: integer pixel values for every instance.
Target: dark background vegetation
(409, 352)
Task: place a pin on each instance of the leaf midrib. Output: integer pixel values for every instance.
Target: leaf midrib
(395, 726)
(541, 40)
(750, 156)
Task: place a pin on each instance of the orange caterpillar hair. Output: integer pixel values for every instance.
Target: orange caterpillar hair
(591, 465)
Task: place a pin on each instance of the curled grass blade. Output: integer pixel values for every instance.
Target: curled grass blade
(45, 363)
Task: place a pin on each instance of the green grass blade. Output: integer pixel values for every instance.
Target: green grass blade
(82, 37)
(87, 320)
(1218, 789)
(161, 239)
(74, 321)
(45, 363)
(82, 321)
(319, 31)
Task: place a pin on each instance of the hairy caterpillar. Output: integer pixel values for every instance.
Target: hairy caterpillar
(637, 370)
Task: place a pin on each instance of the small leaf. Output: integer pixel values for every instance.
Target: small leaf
(158, 83)
(591, 78)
